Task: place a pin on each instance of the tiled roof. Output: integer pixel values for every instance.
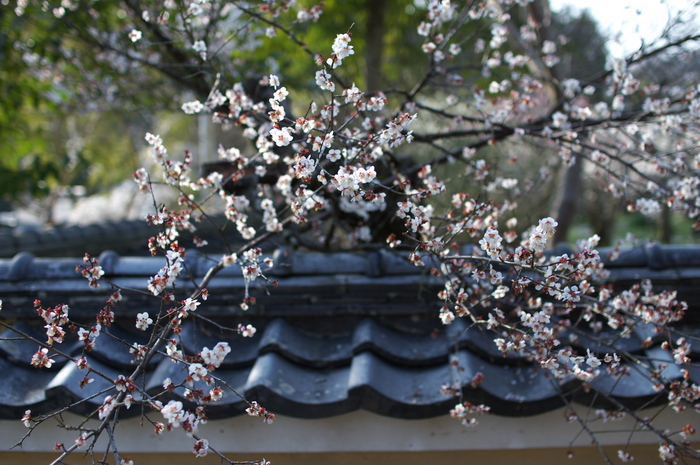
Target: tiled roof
(126, 236)
(340, 332)
(73, 240)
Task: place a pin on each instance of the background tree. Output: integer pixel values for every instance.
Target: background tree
(71, 51)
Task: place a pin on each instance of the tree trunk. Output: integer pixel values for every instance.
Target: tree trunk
(665, 225)
(569, 193)
(374, 45)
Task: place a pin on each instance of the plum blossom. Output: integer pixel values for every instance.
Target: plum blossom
(188, 305)
(376, 102)
(694, 108)
(193, 107)
(624, 456)
(396, 131)
(272, 224)
(91, 270)
(247, 331)
(362, 207)
(41, 359)
(667, 452)
(349, 178)
(81, 441)
(88, 337)
(278, 112)
(334, 155)
(280, 94)
(175, 354)
(194, 9)
(214, 357)
(135, 35)
(648, 207)
(166, 275)
(174, 413)
(491, 243)
(682, 352)
(251, 266)
(201, 448)
(139, 351)
(353, 94)
(446, 316)
(216, 394)
(143, 321)
(198, 372)
(542, 233)
(571, 87)
(57, 315)
(560, 120)
(549, 47)
(304, 167)
(440, 11)
(569, 294)
(124, 384)
(141, 178)
(655, 105)
(281, 136)
(341, 49)
(324, 80)
(592, 360)
(200, 47)
(424, 29)
(107, 407)
(256, 410)
(27, 419)
(467, 412)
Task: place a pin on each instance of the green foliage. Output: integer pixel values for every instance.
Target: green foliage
(66, 110)
(400, 41)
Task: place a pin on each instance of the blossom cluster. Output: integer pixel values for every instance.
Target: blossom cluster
(256, 410)
(91, 270)
(166, 276)
(467, 413)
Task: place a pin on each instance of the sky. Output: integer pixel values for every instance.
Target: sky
(634, 19)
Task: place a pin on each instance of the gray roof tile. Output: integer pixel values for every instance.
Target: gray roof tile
(340, 332)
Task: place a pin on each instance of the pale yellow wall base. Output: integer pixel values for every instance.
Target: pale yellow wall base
(643, 455)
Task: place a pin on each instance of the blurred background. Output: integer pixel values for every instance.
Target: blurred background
(78, 94)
